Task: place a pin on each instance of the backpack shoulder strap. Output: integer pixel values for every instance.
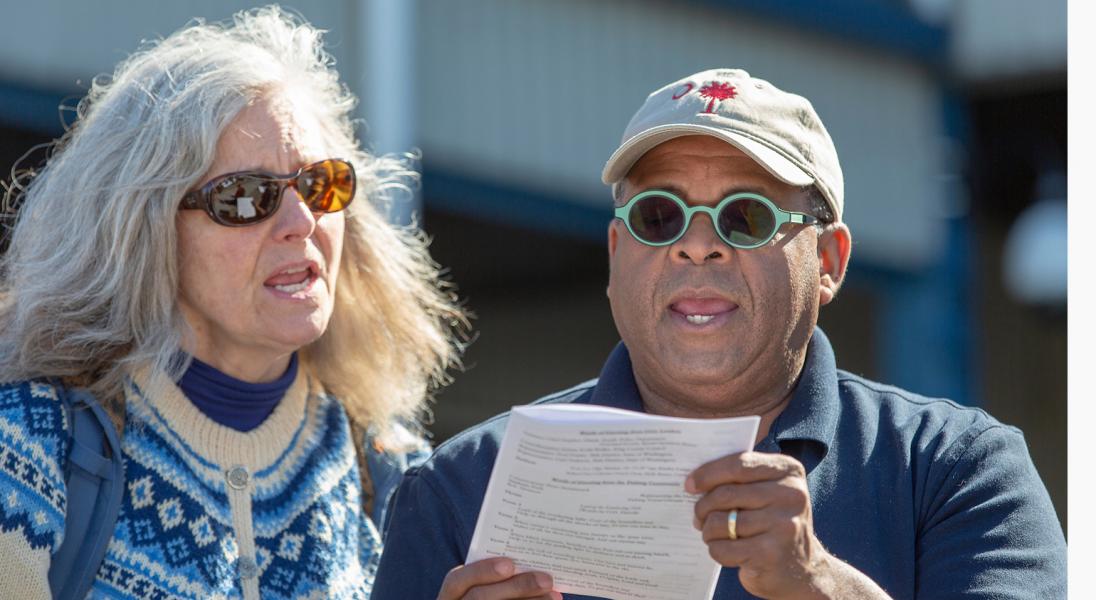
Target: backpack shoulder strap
(381, 469)
(387, 466)
(94, 481)
(359, 438)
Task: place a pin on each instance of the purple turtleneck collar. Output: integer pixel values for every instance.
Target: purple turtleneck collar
(241, 405)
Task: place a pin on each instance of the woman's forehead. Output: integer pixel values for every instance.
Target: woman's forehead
(275, 129)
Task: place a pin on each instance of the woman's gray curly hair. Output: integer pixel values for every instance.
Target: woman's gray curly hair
(88, 286)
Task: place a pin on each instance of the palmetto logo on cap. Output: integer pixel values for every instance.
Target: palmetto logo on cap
(714, 91)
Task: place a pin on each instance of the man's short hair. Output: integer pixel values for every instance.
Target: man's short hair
(817, 205)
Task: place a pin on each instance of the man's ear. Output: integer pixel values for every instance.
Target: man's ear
(614, 232)
(834, 248)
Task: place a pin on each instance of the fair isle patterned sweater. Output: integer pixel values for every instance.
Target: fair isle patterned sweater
(208, 511)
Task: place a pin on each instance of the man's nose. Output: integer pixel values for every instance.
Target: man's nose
(701, 243)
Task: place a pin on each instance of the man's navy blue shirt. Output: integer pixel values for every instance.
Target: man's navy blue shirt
(928, 498)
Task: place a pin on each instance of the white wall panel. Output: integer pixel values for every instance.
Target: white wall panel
(1008, 38)
(54, 44)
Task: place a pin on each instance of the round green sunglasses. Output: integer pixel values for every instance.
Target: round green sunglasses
(743, 220)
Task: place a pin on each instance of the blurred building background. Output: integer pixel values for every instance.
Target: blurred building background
(949, 117)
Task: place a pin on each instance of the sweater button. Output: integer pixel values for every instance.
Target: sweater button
(248, 568)
(237, 477)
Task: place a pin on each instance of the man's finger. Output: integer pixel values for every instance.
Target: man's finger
(716, 526)
(789, 492)
(464, 577)
(748, 524)
(729, 553)
(534, 584)
(745, 467)
(494, 579)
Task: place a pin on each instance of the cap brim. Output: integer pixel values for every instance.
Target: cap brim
(618, 165)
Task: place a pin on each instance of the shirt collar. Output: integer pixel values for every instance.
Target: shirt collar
(815, 405)
(616, 386)
(811, 414)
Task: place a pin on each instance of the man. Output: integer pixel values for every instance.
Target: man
(854, 489)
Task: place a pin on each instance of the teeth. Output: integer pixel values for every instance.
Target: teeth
(297, 270)
(294, 287)
(699, 319)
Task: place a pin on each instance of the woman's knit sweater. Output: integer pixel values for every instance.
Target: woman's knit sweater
(208, 511)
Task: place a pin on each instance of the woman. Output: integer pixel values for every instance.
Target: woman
(202, 253)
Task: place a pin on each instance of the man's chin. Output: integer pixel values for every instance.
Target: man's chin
(697, 370)
(699, 357)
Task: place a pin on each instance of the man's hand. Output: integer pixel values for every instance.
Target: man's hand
(775, 550)
(494, 579)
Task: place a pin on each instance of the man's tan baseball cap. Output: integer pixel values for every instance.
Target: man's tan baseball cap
(779, 130)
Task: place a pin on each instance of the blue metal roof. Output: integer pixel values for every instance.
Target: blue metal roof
(30, 109)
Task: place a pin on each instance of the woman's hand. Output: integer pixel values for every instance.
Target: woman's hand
(494, 579)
